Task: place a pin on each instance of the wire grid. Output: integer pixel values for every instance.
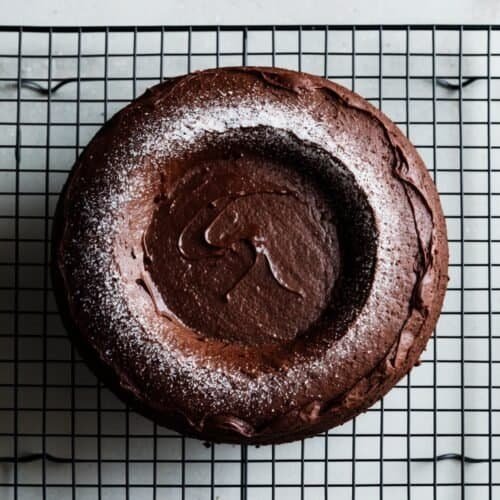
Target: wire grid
(91, 446)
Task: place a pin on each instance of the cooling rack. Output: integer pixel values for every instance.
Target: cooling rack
(435, 435)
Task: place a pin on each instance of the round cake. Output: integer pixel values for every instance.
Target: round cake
(250, 255)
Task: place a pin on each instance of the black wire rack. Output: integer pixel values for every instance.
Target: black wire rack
(435, 435)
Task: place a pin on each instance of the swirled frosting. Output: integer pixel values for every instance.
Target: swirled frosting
(235, 231)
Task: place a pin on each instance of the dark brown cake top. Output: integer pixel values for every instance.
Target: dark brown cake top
(250, 253)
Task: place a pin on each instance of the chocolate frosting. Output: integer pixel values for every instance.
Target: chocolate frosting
(250, 254)
(233, 232)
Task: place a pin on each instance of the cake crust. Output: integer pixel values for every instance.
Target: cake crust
(250, 255)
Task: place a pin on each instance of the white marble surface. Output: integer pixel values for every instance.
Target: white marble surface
(115, 12)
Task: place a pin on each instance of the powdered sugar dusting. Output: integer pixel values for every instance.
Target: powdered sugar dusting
(104, 299)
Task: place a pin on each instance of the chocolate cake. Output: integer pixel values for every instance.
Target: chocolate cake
(250, 255)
